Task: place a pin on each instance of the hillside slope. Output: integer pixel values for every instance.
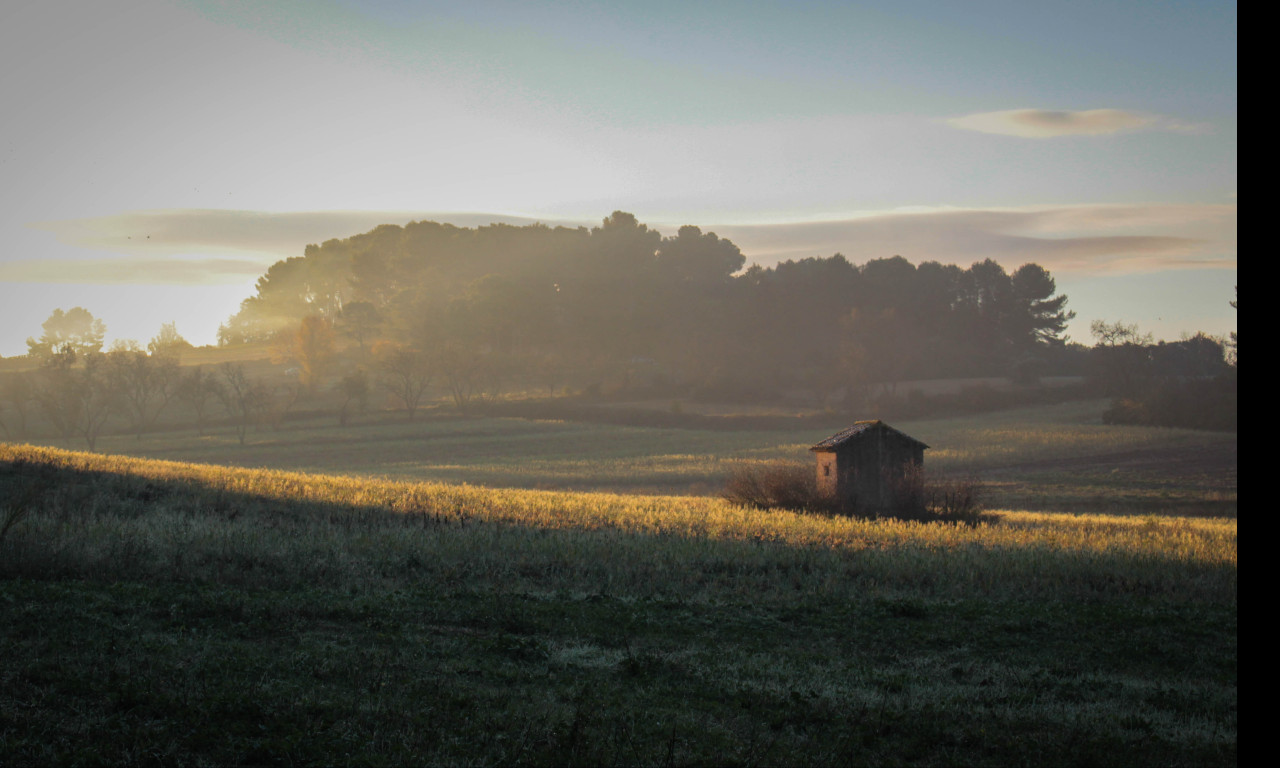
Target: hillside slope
(194, 613)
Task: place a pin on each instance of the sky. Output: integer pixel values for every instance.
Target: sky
(157, 156)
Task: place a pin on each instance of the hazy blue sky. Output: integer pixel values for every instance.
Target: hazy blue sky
(156, 156)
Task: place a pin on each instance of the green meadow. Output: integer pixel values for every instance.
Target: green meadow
(499, 591)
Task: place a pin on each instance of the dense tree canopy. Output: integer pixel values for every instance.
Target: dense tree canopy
(622, 298)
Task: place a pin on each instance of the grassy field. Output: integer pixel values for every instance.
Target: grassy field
(176, 612)
(1058, 457)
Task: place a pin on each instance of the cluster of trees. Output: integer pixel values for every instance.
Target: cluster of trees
(427, 309)
(1188, 383)
(481, 308)
(78, 388)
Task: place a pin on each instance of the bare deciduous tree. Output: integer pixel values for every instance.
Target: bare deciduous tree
(197, 388)
(244, 398)
(404, 372)
(145, 384)
(58, 393)
(99, 398)
(18, 394)
(355, 389)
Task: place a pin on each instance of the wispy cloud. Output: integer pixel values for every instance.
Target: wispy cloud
(1096, 239)
(192, 247)
(1051, 123)
(132, 270)
(183, 231)
(220, 247)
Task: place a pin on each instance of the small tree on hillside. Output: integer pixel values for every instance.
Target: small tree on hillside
(77, 396)
(312, 344)
(58, 393)
(1121, 357)
(168, 342)
(18, 393)
(99, 398)
(243, 397)
(145, 384)
(75, 331)
(355, 389)
(197, 389)
(277, 404)
(404, 372)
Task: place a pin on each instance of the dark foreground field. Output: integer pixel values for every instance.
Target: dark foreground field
(143, 673)
(166, 613)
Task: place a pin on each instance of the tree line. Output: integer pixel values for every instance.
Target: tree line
(1192, 382)
(412, 314)
(79, 389)
(621, 303)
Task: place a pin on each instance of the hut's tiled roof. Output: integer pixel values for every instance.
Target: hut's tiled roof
(859, 428)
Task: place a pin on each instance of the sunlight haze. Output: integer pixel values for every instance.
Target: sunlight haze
(159, 156)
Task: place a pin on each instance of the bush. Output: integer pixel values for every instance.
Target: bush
(955, 499)
(794, 485)
(1190, 403)
(780, 485)
(910, 493)
(949, 499)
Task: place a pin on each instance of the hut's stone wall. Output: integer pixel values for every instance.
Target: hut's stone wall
(865, 472)
(828, 474)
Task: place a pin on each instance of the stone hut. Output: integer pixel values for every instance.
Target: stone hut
(862, 467)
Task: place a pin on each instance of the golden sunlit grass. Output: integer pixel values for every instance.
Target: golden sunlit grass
(206, 614)
(649, 544)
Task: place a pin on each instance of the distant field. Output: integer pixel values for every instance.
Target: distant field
(256, 355)
(166, 612)
(1056, 457)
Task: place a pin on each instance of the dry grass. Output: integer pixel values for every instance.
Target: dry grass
(185, 613)
(120, 514)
